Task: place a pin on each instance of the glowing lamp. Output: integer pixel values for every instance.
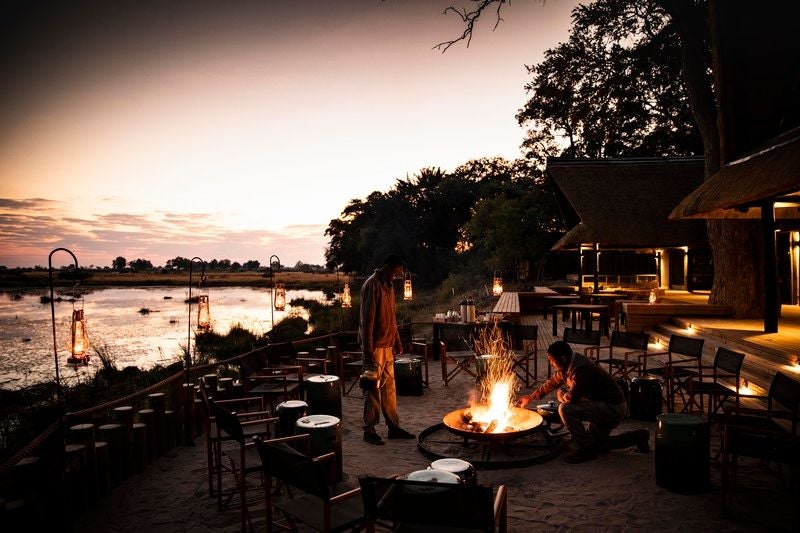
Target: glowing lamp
(497, 284)
(347, 300)
(203, 313)
(652, 297)
(79, 340)
(744, 387)
(407, 289)
(280, 297)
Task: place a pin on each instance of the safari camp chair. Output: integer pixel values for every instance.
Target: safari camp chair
(276, 384)
(720, 387)
(684, 359)
(456, 353)
(769, 435)
(248, 408)
(590, 339)
(311, 365)
(280, 353)
(409, 505)
(632, 346)
(237, 454)
(349, 364)
(523, 342)
(311, 496)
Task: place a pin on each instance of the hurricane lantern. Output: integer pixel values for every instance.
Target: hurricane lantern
(203, 313)
(347, 300)
(497, 284)
(408, 291)
(79, 340)
(280, 297)
(652, 298)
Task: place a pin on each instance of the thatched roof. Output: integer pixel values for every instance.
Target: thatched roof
(624, 203)
(771, 173)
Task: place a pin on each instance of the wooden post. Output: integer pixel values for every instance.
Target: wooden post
(114, 435)
(771, 302)
(148, 418)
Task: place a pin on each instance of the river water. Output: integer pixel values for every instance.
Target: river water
(113, 321)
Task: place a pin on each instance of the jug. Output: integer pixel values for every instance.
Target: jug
(468, 311)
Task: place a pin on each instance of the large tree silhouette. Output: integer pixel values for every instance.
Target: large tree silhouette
(635, 107)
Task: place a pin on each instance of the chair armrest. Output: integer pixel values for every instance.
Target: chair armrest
(325, 457)
(271, 420)
(599, 348)
(252, 413)
(751, 411)
(311, 359)
(345, 495)
(234, 401)
(500, 508)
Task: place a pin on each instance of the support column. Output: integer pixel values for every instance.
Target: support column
(771, 301)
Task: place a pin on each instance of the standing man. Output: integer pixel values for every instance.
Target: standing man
(587, 394)
(378, 336)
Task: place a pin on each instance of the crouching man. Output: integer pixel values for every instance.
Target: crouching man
(587, 393)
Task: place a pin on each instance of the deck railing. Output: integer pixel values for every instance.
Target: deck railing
(87, 452)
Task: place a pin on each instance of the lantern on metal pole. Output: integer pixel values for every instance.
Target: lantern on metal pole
(272, 290)
(203, 313)
(408, 291)
(79, 339)
(497, 283)
(188, 359)
(79, 335)
(347, 299)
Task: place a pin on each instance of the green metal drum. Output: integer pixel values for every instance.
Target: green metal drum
(288, 413)
(408, 376)
(326, 436)
(324, 395)
(682, 453)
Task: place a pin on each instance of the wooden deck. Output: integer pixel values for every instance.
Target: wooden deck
(766, 354)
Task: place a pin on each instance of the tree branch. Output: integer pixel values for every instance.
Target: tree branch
(469, 18)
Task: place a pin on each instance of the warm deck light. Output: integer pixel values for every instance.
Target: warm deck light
(203, 313)
(497, 283)
(79, 340)
(347, 300)
(744, 387)
(652, 298)
(408, 291)
(280, 297)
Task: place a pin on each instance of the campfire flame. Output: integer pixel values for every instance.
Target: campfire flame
(497, 385)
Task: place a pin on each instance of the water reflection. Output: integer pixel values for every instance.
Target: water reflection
(114, 321)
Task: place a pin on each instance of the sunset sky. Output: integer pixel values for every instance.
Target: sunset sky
(237, 130)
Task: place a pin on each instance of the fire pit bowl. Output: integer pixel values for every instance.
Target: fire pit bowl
(521, 422)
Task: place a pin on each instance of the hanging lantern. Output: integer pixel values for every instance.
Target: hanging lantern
(497, 284)
(280, 297)
(203, 313)
(79, 340)
(652, 298)
(347, 300)
(407, 290)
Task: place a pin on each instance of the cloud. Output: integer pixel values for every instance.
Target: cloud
(31, 228)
